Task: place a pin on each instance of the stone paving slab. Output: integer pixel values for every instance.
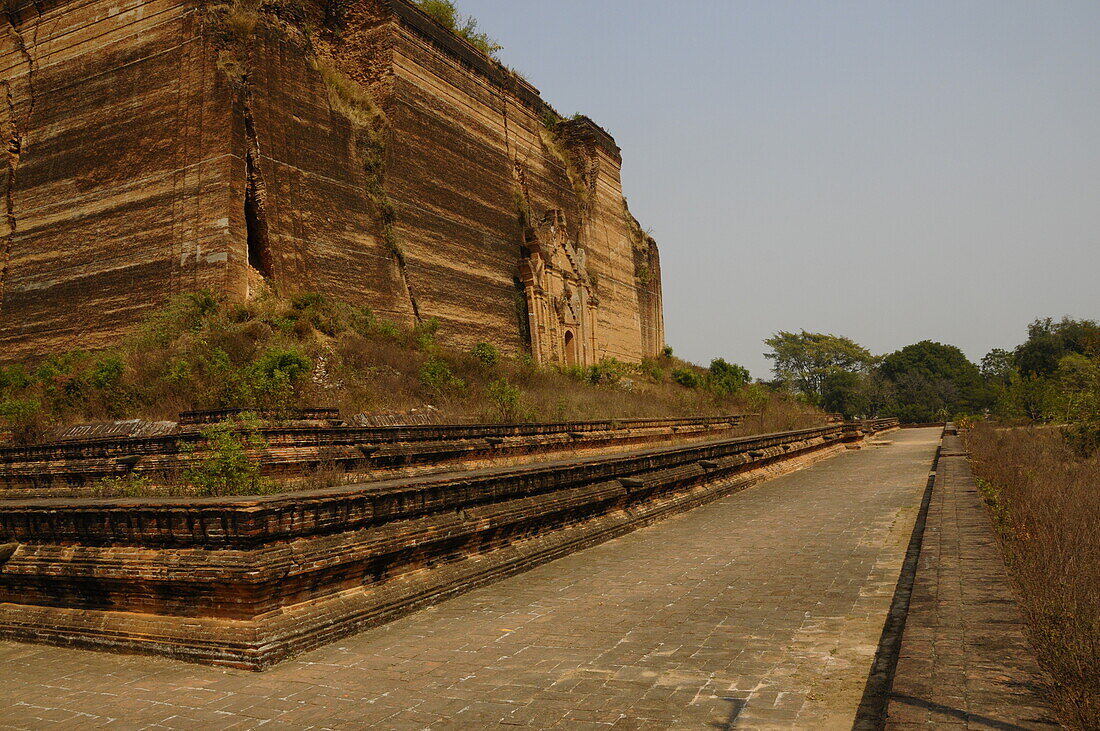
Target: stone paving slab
(964, 660)
(760, 610)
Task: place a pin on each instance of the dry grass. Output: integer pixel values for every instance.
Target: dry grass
(349, 97)
(553, 144)
(1045, 502)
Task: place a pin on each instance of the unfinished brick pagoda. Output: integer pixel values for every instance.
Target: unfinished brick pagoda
(358, 149)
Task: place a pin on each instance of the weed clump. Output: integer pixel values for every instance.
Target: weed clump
(437, 376)
(224, 464)
(465, 26)
(485, 354)
(687, 378)
(506, 400)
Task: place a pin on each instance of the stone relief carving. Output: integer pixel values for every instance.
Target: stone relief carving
(561, 305)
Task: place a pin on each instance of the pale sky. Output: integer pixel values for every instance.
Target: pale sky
(883, 170)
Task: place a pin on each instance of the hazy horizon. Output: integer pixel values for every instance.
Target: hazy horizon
(887, 172)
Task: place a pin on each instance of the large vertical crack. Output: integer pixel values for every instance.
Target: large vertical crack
(257, 237)
(373, 148)
(14, 149)
(14, 134)
(233, 26)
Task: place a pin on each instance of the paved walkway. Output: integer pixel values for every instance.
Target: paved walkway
(764, 608)
(965, 661)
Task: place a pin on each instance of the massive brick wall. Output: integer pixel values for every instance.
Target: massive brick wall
(155, 149)
(119, 135)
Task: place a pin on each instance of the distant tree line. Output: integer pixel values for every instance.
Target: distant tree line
(1053, 376)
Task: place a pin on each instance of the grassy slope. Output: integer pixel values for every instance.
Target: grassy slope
(199, 353)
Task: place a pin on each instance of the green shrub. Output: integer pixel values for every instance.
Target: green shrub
(387, 329)
(185, 313)
(437, 376)
(550, 120)
(327, 316)
(277, 375)
(652, 369)
(288, 363)
(447, 15)
(687, 378)
(26, 419)
(177, 371)
(14, 378)
(58, 368)
(224, 466)
(607, 372)
(107, 372)
(757, 397)
(485, 354)
(506, 400)
(128, 485)
(1083, 438)
(727, 378)
(423, 334)
(576, 372)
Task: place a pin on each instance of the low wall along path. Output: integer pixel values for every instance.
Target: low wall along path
(251, 581)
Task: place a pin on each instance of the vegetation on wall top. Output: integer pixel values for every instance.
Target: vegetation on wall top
(446, 14)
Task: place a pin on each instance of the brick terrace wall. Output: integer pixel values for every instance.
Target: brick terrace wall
(249, 581)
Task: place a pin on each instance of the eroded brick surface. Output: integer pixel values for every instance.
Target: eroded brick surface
(764, 608)
(155, 148)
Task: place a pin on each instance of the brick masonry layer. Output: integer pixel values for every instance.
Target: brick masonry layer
(247, 582)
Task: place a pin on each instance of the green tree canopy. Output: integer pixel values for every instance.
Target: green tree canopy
(997, 366)
(1074, 400)
(1049, 341)
(845, 392)
(804, 360)
(933, 382)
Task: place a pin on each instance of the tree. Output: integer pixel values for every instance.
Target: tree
(845, 392)
(997, 367)
(805, 360)
(1049, 341)
(919, 398)
(1026, 396)
(933, 382)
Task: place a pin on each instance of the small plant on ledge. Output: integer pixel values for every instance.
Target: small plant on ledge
(446, 14)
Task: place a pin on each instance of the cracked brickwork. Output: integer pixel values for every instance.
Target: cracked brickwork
(762, 609)
(169, 135)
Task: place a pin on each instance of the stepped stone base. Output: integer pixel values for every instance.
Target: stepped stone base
(249, 582)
